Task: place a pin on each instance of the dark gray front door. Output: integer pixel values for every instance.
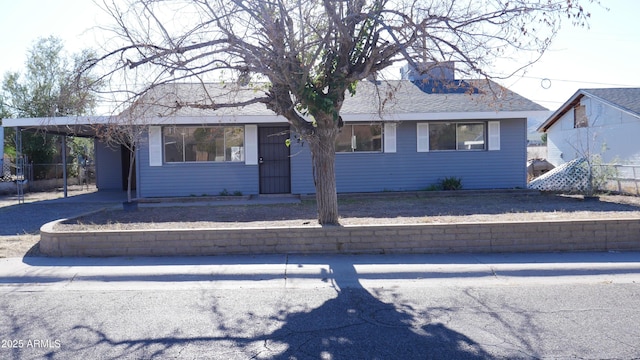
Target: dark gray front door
(275, 165)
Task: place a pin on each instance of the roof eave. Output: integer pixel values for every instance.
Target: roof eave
(54, 121)
(469, 115)
(568, 105)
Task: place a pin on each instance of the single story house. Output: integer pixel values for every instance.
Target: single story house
(400, 135)
(603, 122)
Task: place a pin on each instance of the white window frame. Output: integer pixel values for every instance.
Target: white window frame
(243, 149)
(354, 140)
(492, 136)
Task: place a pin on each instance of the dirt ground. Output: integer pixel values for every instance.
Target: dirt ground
(380, 209)
(413, 208)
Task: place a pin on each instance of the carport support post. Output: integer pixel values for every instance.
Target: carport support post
(1, 151)
(64, 164)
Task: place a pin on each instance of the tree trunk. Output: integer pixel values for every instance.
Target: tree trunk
(323, 155)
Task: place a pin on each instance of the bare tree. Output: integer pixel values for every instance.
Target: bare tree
(127, 129)
(312, 53)
(123, 131)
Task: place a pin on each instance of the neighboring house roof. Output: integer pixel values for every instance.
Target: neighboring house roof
(625, 99)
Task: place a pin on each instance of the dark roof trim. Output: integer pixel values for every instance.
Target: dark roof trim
(568, 105)
(573, 101)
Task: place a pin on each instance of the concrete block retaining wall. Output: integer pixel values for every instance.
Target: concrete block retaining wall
(584, 235)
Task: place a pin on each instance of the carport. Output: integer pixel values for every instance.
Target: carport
(77, 126)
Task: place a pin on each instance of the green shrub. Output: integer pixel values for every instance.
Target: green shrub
(226, 192)
(451, 183)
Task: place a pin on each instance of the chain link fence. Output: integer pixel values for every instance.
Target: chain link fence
(49, 176)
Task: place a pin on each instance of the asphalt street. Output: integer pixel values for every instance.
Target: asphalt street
(494, 306)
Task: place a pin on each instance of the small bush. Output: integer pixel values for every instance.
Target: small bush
(451, 183)
(226, 192)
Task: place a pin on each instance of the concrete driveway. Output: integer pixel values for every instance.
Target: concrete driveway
(20, 222)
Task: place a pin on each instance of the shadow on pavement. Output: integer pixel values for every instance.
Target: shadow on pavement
(357, 325)
(344, 321)
(353, 325)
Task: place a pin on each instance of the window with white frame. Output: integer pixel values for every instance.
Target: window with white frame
(360, 137)
(457, 136)
(198, 144)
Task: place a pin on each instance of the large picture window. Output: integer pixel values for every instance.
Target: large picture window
(354, 138)
(457, 136)
(214, 143)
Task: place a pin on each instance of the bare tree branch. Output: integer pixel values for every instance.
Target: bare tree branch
(312, 53)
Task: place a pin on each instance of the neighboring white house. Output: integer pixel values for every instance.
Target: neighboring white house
(595, 121)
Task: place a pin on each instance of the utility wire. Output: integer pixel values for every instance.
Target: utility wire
(575, 81)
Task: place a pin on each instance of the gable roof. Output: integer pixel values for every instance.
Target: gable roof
(408, 98)
(401, 100)
(624, 99)
(384, 100)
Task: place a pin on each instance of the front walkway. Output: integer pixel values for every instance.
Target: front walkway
(78, 195)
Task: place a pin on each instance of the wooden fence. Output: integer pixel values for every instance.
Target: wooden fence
(625, 179)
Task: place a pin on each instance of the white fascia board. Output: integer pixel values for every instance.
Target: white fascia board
(55, 121)
(267, 119)
(180, 120)
(205, 120)
(487, 115)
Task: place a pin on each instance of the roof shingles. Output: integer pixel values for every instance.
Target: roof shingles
(397, 97)
(625, 98)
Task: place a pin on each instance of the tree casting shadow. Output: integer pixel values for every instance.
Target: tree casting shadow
(353, 325)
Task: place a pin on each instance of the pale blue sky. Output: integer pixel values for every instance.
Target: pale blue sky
(603, 56)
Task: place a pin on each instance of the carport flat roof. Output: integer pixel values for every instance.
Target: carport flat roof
(69, 125)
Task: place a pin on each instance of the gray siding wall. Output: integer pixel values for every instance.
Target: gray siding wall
(193, 179)
(108, 167)
(408, 169)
